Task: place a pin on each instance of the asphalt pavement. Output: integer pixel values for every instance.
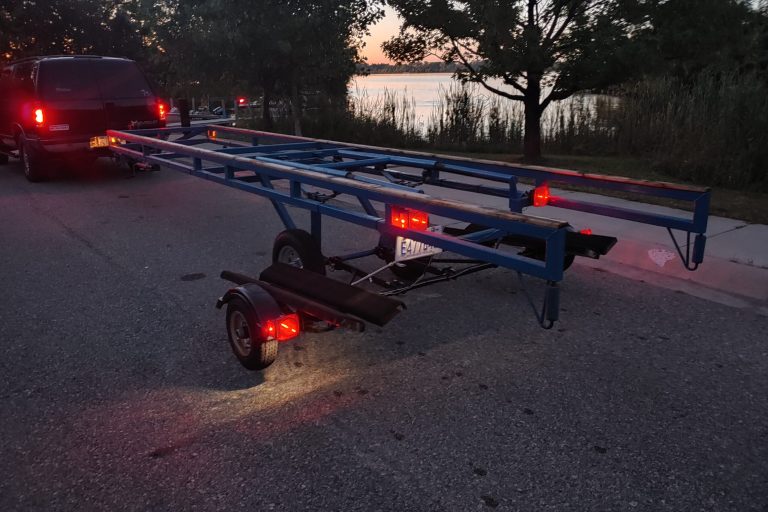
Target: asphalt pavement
(118, 390)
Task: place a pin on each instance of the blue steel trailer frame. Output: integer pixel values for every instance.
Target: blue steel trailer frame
(307, 173)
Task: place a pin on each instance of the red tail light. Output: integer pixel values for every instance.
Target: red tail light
(586, 231)
(283, 328)
(212, 134)
(241, 101)
(541, 195)
(161, 110)
(287, 327)
(39, 115)
(399, 217)
(419, 220)
(405, 218)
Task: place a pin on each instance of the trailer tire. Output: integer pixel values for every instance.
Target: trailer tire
(242, 323)
(298, 248)
(567, 262)
(474, 228)
(411, 270)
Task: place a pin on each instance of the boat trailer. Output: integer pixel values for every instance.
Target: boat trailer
(384, 190)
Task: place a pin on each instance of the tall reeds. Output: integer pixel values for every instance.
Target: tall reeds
(713, 130)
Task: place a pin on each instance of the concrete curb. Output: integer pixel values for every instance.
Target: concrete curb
(720, 280)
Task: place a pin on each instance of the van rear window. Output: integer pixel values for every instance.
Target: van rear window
(75, 79)
(121, 79)
(68, 79)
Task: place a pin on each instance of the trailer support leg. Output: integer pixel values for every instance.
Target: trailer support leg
(550, 309)
(551, 304)
(690, 261)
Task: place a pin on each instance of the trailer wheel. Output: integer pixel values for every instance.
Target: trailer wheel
(298, 248)
(411, 270)
(538, 255)
(244, 333)
(474, 228)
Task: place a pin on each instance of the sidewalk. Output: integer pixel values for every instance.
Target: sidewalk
(735, 267)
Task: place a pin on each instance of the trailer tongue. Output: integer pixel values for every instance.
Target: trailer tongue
(423, 239)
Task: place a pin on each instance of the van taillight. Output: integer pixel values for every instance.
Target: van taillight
(39, 116)
(161, 111)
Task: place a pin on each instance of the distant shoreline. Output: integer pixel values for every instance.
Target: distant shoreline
(416, 67)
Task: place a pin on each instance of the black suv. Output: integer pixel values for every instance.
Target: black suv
(61, 107)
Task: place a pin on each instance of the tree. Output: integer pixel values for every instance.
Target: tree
(288, 46)
(543, 50)
(68, 27)
(682, 40)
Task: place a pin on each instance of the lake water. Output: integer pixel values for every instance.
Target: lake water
(423, 87)
(425, 90)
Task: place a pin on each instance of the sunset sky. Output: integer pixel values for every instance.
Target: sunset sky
(380, 32)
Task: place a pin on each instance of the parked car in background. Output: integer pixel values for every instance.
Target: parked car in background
(60, 107)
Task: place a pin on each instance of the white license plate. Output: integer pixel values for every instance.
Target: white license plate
(99, 142)
(408, 249)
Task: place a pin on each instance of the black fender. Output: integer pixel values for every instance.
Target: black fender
(264, 306)
(17, 134)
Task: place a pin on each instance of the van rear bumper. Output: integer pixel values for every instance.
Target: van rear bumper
(61, 147)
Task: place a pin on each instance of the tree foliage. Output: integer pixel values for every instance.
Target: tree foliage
(279, 47)
(682, 38)
(547, 50)
(35, 27)
(542, 50)
(292, 45)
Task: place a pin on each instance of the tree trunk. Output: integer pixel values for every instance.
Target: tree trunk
(532, 134)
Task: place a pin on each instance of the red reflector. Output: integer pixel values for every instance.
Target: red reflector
(39, 116)
(269, 330)
(541, 195)
(405, 218)
(283, 328)
(586, 231)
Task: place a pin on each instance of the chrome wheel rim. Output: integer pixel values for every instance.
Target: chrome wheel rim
(290, 256)
(240, 333)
